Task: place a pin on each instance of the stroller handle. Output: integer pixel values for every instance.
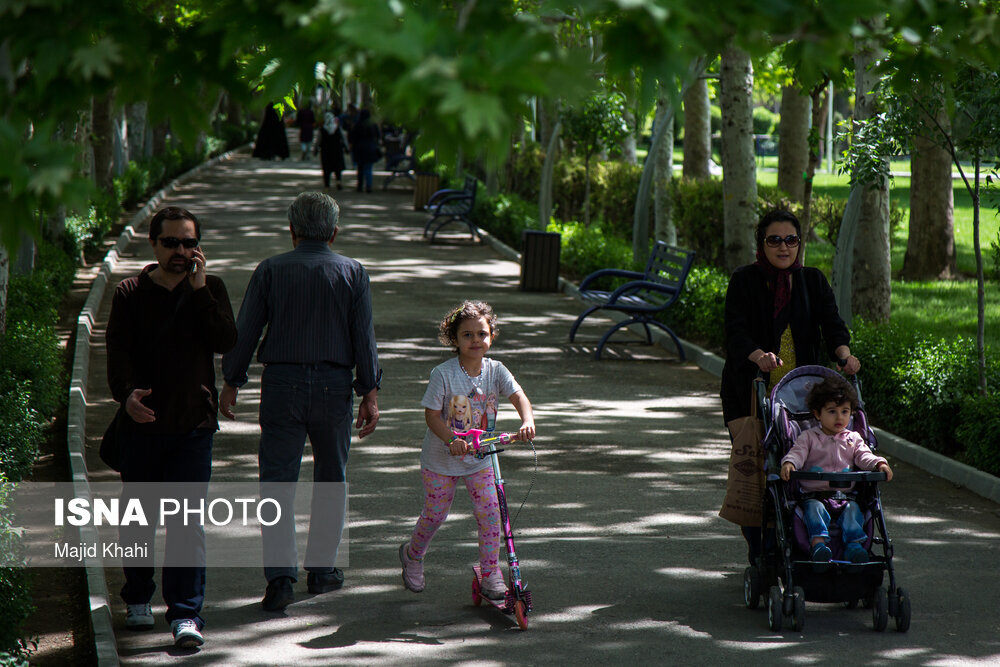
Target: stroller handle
(840, 479)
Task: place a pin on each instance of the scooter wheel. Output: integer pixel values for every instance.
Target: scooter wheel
(521, 614)
(477, 597)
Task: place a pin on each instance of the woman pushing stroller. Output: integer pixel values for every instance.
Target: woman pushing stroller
(831, 447)
(778, 313)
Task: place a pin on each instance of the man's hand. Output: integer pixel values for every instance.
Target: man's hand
(227, 399)
(197, 279)
(139, 413)
(367, 414)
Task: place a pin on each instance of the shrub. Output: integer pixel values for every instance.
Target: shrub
(20, 428)
(524, 170)
(700, 311)
(764, 120)
(827, 214)
(905, 374)
(698, 217)
(506, 217)
(978, 428)
(614, 194)
(584, 250)
(568, 187)
(132, 184)
(15, 600)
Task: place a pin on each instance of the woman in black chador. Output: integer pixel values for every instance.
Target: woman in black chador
(271, 140)
(332, 143)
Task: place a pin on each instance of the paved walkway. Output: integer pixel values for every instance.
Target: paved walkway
(619, 539)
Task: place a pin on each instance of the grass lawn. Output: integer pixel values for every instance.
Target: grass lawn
(942, 309)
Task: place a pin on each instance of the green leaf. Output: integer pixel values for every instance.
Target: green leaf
(96, 60)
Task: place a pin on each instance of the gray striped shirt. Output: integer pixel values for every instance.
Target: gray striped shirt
(317, 307)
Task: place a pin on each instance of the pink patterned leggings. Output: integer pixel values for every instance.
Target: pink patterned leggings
(439, 492)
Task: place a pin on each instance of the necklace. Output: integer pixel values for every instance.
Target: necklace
(476, 389)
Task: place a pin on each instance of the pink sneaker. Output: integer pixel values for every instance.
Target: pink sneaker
(413, 570)
(493, 585)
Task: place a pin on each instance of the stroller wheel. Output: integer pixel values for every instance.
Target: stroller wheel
(903, 609)
(751, 587)
(774, 615)
(799, 613)
(880, 609)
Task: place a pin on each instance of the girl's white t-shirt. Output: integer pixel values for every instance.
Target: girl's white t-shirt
(452, 392)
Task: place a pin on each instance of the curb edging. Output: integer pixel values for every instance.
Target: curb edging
(105, 646)
(960, 474)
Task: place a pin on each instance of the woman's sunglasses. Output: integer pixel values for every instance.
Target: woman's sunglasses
(774, 241)
(173, 242)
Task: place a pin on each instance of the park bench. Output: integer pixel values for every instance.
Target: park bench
(447, 206)
(399, 159)
(644, 296)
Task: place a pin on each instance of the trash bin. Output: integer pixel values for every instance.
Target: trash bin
(539, 261)
(426, 185)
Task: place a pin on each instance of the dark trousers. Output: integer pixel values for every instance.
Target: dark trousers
(167, 458)
(296, 401)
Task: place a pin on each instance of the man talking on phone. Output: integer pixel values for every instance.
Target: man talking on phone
(164, 328)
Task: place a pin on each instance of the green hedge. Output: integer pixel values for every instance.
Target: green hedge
(15, 600)
(926, 390)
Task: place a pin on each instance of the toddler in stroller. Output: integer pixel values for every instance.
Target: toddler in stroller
(821, 520)
(831, 447)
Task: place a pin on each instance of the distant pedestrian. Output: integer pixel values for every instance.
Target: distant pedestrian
(332, 144)
(316, 307)
(365, 150)
(306, 120)
(463, 391)
(272, 142)
(164, 328)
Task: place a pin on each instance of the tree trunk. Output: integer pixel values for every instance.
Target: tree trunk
(24, 261)
(820, 103)
(980, 284)
(793, 142)
(4, 282)
(137, 128)
(930, 249)
(663, 204)
(586, 191)
(545, 187)
(629, 155)
(697, 132)
(547, 117)
(871, 289)
(102, 140)
(739, 168)
(119, 130)
(160, 133)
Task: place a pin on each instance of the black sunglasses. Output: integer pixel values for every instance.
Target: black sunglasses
(774, 241)
(173, 242)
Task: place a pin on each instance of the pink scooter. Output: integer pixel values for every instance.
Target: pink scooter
(518, 598)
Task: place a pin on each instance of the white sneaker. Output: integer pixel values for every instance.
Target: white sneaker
(139, 616)
(493, 586)
(186, 633)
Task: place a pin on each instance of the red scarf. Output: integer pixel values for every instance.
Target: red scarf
(782, 281)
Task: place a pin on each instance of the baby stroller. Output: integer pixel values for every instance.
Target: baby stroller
(783, 571)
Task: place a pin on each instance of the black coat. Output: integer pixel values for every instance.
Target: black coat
(813, 318)
(271, 140)
(331, 150)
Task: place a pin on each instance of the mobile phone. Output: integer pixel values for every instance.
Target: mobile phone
(194, 267)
